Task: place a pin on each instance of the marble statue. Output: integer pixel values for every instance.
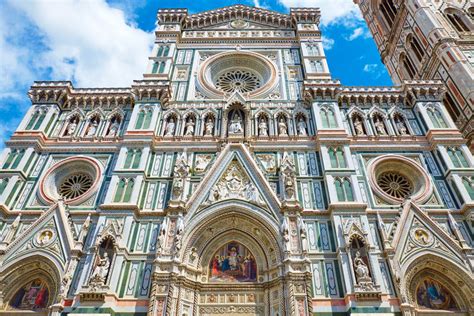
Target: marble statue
(209, 127)
(379, 126)
(236, 125)
(190, 127)
(92, 127)
(262, 127)
(114, 128)
(282, 128)
(360, 268)
(285, 233)
(71, 128)
(101, 270)
(170, 127)
(288, 175)
(358, 126)
(402, 129)
(302, 127)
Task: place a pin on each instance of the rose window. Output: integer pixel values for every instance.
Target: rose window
(395, 184)
(75, 185)
(238, 80)
(73, 179)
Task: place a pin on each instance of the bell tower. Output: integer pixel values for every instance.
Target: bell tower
(430, 40)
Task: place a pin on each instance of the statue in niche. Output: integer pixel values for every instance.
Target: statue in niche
(162, 236)
(302, 127)
(379, 126)
(402, 129)
(303, 235)
(94, 124)
(209, 127)
(170, 127)
(288, 174)
(282, 128)
(190, 127)
(263, 127)
(114, 128)
(236, 124)
(71, 127)
(285, 233)
(178, 236)
(99, 276)
(358, 126)
(180, 173)
(361, 269)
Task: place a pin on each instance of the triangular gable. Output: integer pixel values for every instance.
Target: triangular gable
(417, 231)
(51, 232)
(234, 158)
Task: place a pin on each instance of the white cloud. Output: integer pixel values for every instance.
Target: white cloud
(356, 33)
(328, 43)
(371, 67)
(89, 42)
(331, 10)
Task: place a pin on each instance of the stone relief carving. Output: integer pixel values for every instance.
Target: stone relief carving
(234, 184)
(288, 177)
(202, 161)
(268, 161)
(180, 175)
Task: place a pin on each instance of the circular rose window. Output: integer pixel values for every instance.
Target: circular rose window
(249, 73)
(238, 80)
(395, 178)
(73, 179)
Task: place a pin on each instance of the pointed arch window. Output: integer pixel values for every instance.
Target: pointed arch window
(328, 118)
(415, 46)
(13, 159)
(3, 184)
(469, 185)
(451, 106)
(132, 161)
(313, 49)
(336, 156)
(457, 157)
(410, 70)
(36, 119)
(436, 118)
(344, 189)
(124, 190)
(316, 66)
(144, 118)
(457, 21)
(389, 11)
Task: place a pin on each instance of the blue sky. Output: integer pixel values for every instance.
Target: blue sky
(99, 43)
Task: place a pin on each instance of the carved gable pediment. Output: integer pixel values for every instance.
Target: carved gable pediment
(52, 232)
(417, 232)
(234, 175)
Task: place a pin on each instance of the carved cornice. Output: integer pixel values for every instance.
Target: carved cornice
(426, 90)
(321, 89)
(208, 18)
(306, 15)
(66, 96)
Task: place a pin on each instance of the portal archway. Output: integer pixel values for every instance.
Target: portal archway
(436, 285)
(29, 285)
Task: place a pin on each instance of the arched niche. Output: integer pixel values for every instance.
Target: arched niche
(433, 284)
(30, 285)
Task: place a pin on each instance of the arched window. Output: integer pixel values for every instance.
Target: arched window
(144, 118)
(436, 118)
(132, 161)
(3, 184)
(13, 159)
(328, 118)
(162, 67)
(389, 11)
(316, 66)
(415, 46)
(36, 119)
(457, 157)
(457, 20)
(343, 190)
(469, 185)
(312, 49)
(336, 155)
(451, 106)
(408, 67)
(160, 51)
(124, 190)
(166, 50)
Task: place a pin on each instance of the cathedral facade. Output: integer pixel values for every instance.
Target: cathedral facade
(427, 39)
(237, 178)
